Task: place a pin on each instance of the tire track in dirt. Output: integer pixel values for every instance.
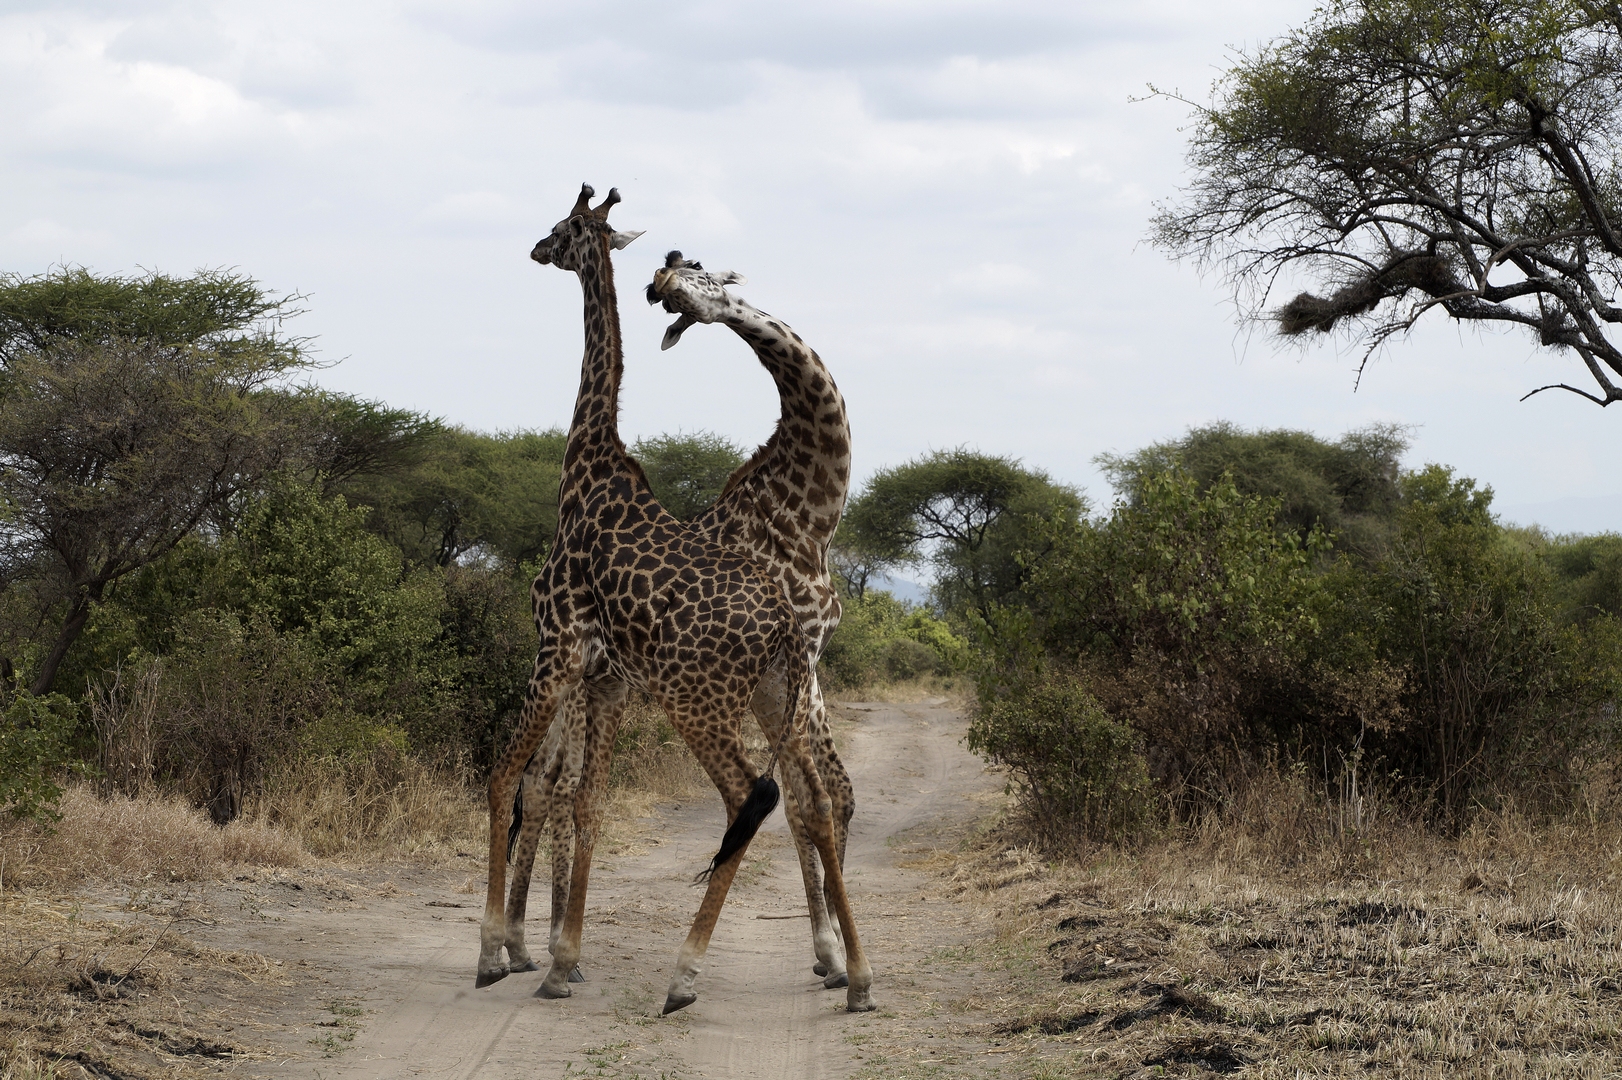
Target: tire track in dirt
(761, 1011)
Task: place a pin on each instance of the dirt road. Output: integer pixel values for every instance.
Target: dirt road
(396, 995)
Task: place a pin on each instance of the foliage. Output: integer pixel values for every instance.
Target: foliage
(1417, 154)
(687, 472)
(1190, 612)
(484, 653)
(235, 695)
(36, 749)
(469, 494)
(346, 439)
(1588, 572)
(120, 434)
(306, 566)
(1502, 694)
(979, 520)
(881, 639)
(225, 314)
(1079, 770)
(1346, 488)
(1442, 662)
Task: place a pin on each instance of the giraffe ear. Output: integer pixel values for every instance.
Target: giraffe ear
(732, 277)
(620, 239)
(675, 330)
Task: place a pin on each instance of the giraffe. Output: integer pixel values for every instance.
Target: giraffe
(629, 597)
(781, 508)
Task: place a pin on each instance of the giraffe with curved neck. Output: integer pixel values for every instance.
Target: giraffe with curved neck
(630, 598)
(782, 508)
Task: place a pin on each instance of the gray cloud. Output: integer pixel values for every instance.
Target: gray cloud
(947, 199)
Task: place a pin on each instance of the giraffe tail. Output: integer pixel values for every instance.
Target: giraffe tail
(517, 825)
(752, 814)
(764, 796)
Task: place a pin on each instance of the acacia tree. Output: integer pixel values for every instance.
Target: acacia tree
(1406, 155)
(132, 411)
(976, 517)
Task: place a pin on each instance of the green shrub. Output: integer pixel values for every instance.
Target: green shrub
(1189, 611)
(234, 696)
(1078, 771)
(881, 638)
(36, 737)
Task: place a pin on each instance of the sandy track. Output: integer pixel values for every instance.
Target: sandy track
(407, 960)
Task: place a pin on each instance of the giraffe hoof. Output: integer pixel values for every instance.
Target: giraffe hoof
(485, 978)
(836, 980)
(576, 975)
(819, 968)
(545, 991)
(678, 1001)
(527, 965)
(859, 1001)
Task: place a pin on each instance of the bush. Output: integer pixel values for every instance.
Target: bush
(1079, 771)
(1190, 612)
(235, 696)
(36, 735)
(881, 638)
(1502, 695)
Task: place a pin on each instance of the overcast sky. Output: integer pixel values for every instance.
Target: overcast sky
(947, 199)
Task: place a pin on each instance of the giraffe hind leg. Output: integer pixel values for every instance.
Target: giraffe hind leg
(817, 807)
(767, 705)
(728, 766)
(605, 702)
(556, 669)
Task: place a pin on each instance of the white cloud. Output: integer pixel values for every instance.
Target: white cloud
(947, 198)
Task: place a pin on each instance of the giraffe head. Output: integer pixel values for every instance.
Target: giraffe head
(685, 288)
(582, 233)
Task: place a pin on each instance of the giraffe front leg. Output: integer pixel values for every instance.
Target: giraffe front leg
(595, 743)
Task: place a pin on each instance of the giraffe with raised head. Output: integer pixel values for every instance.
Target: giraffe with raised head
(631, 598)
(781, 508)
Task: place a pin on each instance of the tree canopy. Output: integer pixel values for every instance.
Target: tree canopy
(976, 517)
(132, 411)
(687, 472)
(1405, 155)
(1348, 487)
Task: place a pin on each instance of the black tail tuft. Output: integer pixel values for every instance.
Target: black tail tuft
(518, 821)
(755, 810)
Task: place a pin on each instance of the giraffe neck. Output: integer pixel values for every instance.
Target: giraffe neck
(594, 430)
(804, 468)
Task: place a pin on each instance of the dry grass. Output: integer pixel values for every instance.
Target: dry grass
(96, 997)
(954, 689)
(385, 806)
(127, 840)
(1289, 945)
